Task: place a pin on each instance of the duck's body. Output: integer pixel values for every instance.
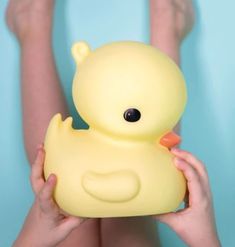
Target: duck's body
(131, 95)
(104, 177)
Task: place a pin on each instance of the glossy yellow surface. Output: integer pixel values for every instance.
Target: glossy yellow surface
(118, 167)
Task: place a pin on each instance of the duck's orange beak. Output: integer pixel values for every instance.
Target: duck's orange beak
(170, 140)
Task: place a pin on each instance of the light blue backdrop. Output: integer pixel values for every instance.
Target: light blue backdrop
(207, 128)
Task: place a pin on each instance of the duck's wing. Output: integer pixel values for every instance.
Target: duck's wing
(118, 186)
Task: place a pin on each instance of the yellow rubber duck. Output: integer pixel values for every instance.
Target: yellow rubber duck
(131, 95)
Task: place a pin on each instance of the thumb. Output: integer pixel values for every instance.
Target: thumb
(168, 218)
(70, 223)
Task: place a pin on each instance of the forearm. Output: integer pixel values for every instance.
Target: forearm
(23, 241)
(27, 237)
(42, 95)
(205, 234)
(209, 240)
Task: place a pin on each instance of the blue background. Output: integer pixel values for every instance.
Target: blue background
(207, 126)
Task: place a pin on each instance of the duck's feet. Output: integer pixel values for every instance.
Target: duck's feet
(29, 19)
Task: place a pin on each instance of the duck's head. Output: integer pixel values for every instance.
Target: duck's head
(128, 89)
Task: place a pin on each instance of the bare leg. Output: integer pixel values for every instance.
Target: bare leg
(132, 231)
(171, 20)
(42, 96)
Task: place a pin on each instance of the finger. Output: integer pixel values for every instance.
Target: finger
(168, 218)
(70, 223)
(45, 197)
(36, 177)
(194, 183)
(191, 159)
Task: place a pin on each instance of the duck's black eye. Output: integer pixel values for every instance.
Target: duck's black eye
(132, 115)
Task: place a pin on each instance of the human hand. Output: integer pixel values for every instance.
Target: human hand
(195, 224)
(46, 225)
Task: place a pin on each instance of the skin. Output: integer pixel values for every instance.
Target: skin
(31, 22)
(170, 22)
(42, 97)
(195, 224)
(45, 218)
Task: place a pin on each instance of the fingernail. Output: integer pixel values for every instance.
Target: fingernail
(40, 146)
(176, 150)
(177, 161)
(51, 178)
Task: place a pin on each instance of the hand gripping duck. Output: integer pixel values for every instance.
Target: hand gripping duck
(131, 95)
